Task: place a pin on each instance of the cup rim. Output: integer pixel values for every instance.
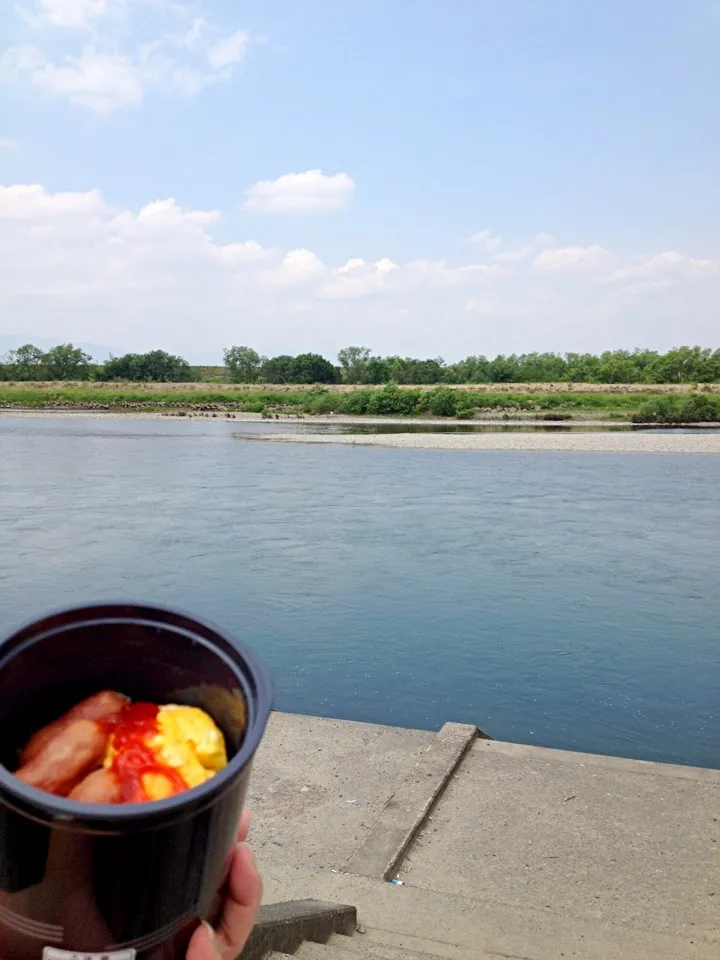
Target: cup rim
(47, 806)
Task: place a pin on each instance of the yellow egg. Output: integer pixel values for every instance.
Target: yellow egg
(189, 741)
(157, 786)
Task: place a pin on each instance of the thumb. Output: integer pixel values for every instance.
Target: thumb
(204, 944)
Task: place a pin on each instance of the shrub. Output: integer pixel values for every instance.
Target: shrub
(442, 402)
(355, 403)
(319, 404)
(391, 400)
(465, 413)
(700, 408)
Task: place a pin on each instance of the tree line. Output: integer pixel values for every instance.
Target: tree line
(358, 365)
(66, 362)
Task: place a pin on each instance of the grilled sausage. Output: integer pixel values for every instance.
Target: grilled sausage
(102, 706)
(101, 786)
(66, 758)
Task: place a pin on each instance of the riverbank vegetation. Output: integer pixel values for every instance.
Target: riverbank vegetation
(357, 366)
(388, 401)
(701, 408)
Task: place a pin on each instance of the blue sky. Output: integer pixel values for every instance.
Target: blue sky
(577, 142)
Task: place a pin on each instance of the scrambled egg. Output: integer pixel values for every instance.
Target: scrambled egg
(187, 740)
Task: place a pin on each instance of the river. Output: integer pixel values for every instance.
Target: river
(563, 599)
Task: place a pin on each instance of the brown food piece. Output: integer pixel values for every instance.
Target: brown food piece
(66, 758)
(102, 707)
(101, 786)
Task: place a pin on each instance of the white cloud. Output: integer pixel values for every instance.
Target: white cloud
(484, 240)
(309, 192)
(107, 56)
(228, 51)
(572, 258)
(33, 202)
(74, 14)
(297, 267)
(6, 144)
(75, 267)
(513, 256)
(661, 268)
(99, 81)
(524, 250)
(356, 278)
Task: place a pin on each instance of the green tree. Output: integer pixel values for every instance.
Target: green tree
(243, 364)
(161, 366)
(685, 365)
(312, 368)
(26, 363)
(503, 369)
(277, 369)
(617, 366)
(126, 367)
(377, 370)
(66, 362)
(157, 365)
(582, 367)
(540, 367)
(353, 362)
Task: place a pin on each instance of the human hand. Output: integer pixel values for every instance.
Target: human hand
(239, 911)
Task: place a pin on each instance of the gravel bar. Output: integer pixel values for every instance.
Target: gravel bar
(570, 442)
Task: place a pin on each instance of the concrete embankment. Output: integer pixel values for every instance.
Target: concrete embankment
(502, 849)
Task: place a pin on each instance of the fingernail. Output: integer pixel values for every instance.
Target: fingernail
(210, 933)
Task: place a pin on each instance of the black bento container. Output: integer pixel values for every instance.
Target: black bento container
(134, 878)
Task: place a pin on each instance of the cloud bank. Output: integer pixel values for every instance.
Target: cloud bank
(75, 267)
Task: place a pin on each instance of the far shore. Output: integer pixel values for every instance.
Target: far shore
(310, 420)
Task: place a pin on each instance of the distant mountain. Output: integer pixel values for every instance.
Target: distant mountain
(11, 341)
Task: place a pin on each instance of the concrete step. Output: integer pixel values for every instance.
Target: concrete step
(460, 928)
(358, 947)
(367, 945)
(363, 947)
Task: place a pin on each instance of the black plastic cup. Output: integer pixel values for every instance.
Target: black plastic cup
(120, 879)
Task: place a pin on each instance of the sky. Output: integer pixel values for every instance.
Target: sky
(422, 177)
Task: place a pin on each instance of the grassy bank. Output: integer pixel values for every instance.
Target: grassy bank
(639, 406)
(232, 389)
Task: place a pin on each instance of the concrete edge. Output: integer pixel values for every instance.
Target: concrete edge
(282, 927)
(404, 813)
(626, 765)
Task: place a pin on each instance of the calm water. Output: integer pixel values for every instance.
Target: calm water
(569, 600)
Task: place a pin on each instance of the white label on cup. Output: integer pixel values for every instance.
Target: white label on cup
(52, 953)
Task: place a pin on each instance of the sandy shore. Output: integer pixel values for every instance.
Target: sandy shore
(70, 414)
(571, 442)
(305, 420)
(320, 419)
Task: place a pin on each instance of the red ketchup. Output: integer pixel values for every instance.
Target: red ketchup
(133, 758)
